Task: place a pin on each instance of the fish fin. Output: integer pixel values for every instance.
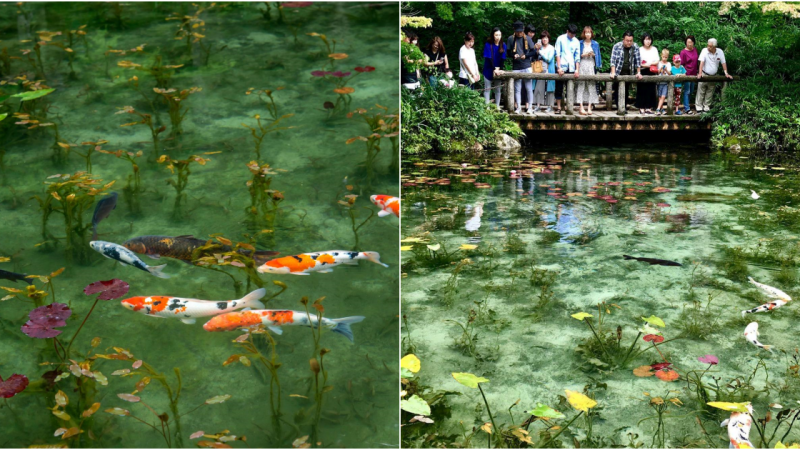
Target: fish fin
(276, 330)
(251, 300)
(184, 236)
(768, 348)
(157, 271)
(298, 273)
(247, 309)
(375, 257)
(154, 256)
(343, 326)
(27, 280)
(743, 313)
(626, 257)
(325, 271)
(188, 320)
(383, 213)
(725, 422)
(750, 279)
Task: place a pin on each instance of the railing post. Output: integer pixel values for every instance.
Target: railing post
(570, 96)
(621, 96)
(671, 98)
(510, 95)
(609, 96)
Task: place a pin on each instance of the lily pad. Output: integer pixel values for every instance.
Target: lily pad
(33, 95)
(545, 412)
(469, 380)
(727, 406)
(109, 289)
(580, 401)
(655, 321)
(581, 315)
(416, 405)
(410, 362)
(13, 385)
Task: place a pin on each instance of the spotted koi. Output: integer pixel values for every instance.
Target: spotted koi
(387, 204)
(322, 262)
(188, 309)
(739, 428)
(274, 319)
(751, 334)
(780, 298)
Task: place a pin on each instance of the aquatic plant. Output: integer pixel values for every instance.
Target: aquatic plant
(660, 405)
(471, 381)
(133, 188)
(266, 126)
(733, 263)
(381, 125)
(31, 291)
(93, 147)
(423, 408)
(264, 201)
(12, 385)
(181, 168)
(191, 29)
(317, 364)
(239, 255)
(514, 245)
(31, 119)
(340, 80)
(450, 290)
(549, 237)
(698, 321)
(737, 389)
(434, 255)
(348, 204)
(467, 341)
(176, 103)
(147, 120)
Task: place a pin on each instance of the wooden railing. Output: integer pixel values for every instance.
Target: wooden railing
(570, 80)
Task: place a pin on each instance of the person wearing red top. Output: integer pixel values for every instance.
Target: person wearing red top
(689, 58)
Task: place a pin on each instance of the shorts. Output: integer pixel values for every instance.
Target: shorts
(662, 89)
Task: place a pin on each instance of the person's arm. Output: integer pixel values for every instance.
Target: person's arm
(577, 58)
(533, 52)
(700, 70)
(614, 60)
(598, 61)
(637, 56)
(725, 68)
(446, 63)
(558, 57)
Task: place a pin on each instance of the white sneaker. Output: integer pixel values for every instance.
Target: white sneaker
(549, 110)
(518, 111)
(536, 109)
(529, 111)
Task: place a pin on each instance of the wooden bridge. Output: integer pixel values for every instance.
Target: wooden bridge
(605, 116)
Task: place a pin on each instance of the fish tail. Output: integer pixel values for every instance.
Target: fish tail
(157, 271)
(28, 280)
(343, 326)
(374, 257)
(767, 348)
(252, 300)
(94, 232)
(626, 257)
(750, 279)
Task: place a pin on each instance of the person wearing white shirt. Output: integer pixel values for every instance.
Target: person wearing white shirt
(710, 59)
(646, 99)
(567, 59)
(469, 74)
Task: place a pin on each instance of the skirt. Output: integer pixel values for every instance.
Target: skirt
(541, 96)
(586, 92)
(646, 93)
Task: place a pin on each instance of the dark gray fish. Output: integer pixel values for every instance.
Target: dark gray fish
(6, 275)
(653, 261)
(102, 211)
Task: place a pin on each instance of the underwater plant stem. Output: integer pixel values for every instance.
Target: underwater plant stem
(69, 346)
(598, 339)
(565, 426)
(791, 424)
(630, 349)
(659, 351)
(496, 430)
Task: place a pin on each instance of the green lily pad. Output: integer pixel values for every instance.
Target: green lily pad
(416, 405)
(3, 116)
(33, 95)
(655, 321)
(405, 373)
(581, 315)
(545, 412)
(469, 380)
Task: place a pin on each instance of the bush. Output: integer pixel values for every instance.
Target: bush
(450, 120)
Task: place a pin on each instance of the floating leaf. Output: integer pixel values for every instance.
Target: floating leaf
(71, 432)
(137, 364)
(581, 315)
(667, 375)
(410, 362)
(726, 406)
(405, 248)
(92, 409)
(580, 401)
(653, 338)
(468, 247)
(545, 412)
(655, 321)
(44, 319)
(13, 385)
(33, 95)
(708, 359)
(118, 411)
(129, 398)
(435, 247)
(416, 405)
(61, 399)
(217, 399)
(422, 419)
(61, 415)
(487, 427)
(109, 289)
(643, 371)
(197, 434)
(469, 380)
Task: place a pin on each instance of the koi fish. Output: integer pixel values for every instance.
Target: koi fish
(102, 211)
(182, 247)
(387, 204)
(124, 256)
(751, 334)
(322, 262)
(765, 307)
(274, 319)
(754, 195)
(739, 428)
(771, 291)
(11, 276)
(653, 261)
(188, 309)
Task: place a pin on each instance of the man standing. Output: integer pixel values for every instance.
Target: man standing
(568, 59)
(625, 59)
(524, 51)
(710, 59)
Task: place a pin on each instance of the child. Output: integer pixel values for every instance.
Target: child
(678, 69)
(664, 68)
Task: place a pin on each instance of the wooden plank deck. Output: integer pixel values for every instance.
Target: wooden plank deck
(609, 120)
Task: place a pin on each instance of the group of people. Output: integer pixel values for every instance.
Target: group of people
(573, 55)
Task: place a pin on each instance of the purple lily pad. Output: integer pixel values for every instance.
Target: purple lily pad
(708, 359)
(340, 74)
(109, 289)
(13, 385)
(318, 73)
(45, 319)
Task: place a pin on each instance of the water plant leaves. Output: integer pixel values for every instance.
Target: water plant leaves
(487, 427)
(44, 319)
(61, 399)
(13, 385)
(643, 371)
(197, 434)
(92, 409)
(469, 380)
(217, 399)
(118, 411)
(653, 338)
(109, 289)
(422, 419)
(728, 406)
(708, 359)
(129, 398)
(61, 415)
(581, 315)
(580, 401)
(655, 321)
(416, 405)
(667, 375)
(468, 247)
(545, 412)
(33, 95)
(410, 362)
(435, 247)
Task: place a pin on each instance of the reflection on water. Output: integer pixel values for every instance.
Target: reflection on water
(551, 230)
(255, 152)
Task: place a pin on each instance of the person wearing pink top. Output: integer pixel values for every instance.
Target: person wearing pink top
(689, 58)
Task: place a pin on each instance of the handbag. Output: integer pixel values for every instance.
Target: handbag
(538, 67)
(654, 68)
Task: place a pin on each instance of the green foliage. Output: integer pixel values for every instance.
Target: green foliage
(450, 120)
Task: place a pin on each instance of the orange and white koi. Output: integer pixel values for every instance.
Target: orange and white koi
(188, 309)
(781, 298)
(751, 334)
(387, 204)
(322, 262)
(274, 319)
(739, 428)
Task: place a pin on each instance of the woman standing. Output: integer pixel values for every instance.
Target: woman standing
(409, 76)
(469, 74)
(543, 95)
(494, 54)
(590, 61)
(437, 61)
(689, 59)
(646, 92)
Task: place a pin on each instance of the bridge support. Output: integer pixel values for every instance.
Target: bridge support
(671, 98)
(510, 95)
(621, 96)
(570, 97)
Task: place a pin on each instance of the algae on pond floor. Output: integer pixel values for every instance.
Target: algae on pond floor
(549, 303)
(209, 121)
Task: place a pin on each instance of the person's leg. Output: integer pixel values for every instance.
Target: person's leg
(463, 81)
(517, 94)
(558, 94)
(529, 91)
(498, 87)
(699, 99)
(487, 89)
(579, 95)
(687, 89)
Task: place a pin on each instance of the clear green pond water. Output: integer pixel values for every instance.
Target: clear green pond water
(544, 249)
(240, 49)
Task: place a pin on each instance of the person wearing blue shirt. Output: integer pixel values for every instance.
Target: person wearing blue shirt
(567, 59)
(494, 55)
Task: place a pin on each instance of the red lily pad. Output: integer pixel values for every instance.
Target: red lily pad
(667, 375)
(109, 289)
(45, 319)
(13, 385)
(653, 337)
(364, 69)
(660, 366)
